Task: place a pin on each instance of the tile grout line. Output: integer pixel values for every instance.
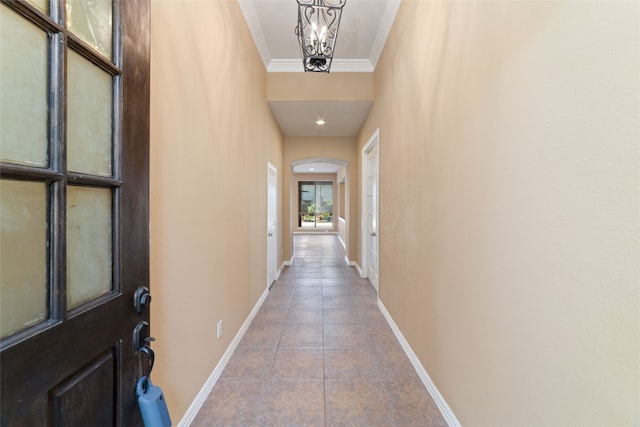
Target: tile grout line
(324, 374)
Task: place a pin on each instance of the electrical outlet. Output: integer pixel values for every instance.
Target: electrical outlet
(219, 329)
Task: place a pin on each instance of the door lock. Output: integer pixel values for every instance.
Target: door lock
(141, 299)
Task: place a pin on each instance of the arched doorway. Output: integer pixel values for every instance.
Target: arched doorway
(319, 198)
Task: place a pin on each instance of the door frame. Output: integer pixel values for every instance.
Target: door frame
(316, 182)
(53, 363)
(373, 142)
(274, 235)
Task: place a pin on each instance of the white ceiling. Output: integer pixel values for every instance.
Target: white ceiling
(341, 118)
(364, 27)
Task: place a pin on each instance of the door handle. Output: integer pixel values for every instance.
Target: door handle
(373, 234)
(141, 336)
(141, 341)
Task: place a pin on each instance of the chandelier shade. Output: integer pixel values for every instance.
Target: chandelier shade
(317, 31)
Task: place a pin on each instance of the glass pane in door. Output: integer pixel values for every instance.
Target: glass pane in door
(92, 21)
(307, 202)
(315, 199)
(41, 4)
(23, 85)
(324, 205)
(89, 244)
(89, 117)
(23, 264)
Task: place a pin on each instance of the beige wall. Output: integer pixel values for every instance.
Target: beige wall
(300, 148)
(212, 135)
(509, 222)
(350, 87)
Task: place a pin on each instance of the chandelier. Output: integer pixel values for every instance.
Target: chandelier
(317, 30)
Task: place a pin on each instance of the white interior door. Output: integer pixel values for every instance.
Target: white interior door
(372, 214)
(272, 224)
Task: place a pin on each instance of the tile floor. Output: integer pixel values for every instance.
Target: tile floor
(319, 353)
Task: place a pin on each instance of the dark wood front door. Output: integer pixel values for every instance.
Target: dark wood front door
(74, 243)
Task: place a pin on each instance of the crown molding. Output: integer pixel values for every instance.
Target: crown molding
(251, 17)
(386, 23)
(338, 66)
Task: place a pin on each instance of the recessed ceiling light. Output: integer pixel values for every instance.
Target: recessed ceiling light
(311, 169)
(320, 122)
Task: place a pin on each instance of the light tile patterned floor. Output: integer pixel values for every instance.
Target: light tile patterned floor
(319, 353)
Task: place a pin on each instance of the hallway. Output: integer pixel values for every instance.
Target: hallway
(319, 353)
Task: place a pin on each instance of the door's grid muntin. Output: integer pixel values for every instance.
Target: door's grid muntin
(55, 174)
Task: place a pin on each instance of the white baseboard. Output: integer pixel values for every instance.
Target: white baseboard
(284, 264)
(191, 413)
(344, 245)
(355, 264)
(289, 262)
(448, 415)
